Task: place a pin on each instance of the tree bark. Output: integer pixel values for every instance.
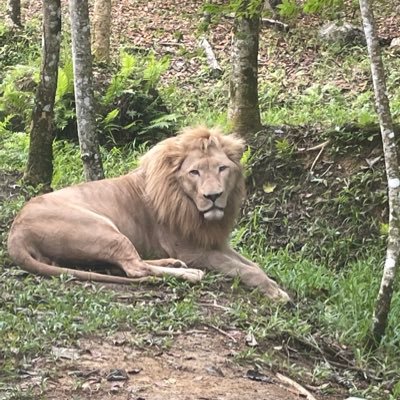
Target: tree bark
(40, 158)
(102, 29)
(244, 112)
(83, 84)
(13, 16)
(382, 306)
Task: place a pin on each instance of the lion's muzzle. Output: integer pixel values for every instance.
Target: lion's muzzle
(214, 214)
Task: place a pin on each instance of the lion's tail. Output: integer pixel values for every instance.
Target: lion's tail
(23, 258)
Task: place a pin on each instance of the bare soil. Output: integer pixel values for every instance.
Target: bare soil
(199, 365)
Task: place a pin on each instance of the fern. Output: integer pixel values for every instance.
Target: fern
(154, 69)
(163, 122)
(16, 91)
(110, 117)
(65, 82)
(128, 65)
(4, 125)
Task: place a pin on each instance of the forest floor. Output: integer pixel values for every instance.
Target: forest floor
(199, 363)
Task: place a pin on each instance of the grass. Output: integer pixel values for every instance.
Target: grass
(34, 316)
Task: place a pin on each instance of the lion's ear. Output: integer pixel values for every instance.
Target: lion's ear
(165, 157)
(234, 147)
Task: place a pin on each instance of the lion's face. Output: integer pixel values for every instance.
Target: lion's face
(208, 178)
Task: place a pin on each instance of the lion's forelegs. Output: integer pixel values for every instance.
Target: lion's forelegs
(232, 264)
(167, 262)
(128, 259)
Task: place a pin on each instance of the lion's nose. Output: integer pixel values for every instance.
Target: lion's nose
(212, 196)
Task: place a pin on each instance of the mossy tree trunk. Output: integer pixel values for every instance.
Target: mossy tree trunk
(382, 306)
(40, 158)
(244, 112)
(13, 15)
(102, 29)
(83, 84)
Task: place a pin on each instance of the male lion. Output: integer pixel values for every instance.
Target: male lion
(178, 208)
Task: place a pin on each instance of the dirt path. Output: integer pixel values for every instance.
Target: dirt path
(199, 365)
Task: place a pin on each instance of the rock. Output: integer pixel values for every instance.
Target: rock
(354, 398)
(345, 33)
(395, 44)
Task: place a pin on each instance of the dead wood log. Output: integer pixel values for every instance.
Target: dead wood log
(216, 70)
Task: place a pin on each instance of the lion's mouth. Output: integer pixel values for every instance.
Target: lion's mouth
(214, 213)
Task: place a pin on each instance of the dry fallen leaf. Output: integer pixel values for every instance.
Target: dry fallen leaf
(251, 340)
(64, 352)
(269, 187)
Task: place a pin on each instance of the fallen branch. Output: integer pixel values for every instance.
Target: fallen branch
(273, 23)
(300, 389)
(215, 305)
(316, 147)
(223, 332)
(316, 159)
(216, 70)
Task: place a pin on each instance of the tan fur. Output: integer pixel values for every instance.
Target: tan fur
(178, 207)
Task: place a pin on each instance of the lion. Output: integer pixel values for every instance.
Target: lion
(171, 216)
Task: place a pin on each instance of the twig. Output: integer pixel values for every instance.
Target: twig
(316, 159)
(215, 305)
(303, 391)
(317, 147)
(223, 333)
(273, 23)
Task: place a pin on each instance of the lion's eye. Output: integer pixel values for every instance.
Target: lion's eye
(222, 168)
(194, 172)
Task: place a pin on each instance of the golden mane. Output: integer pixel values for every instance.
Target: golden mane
(173, 208)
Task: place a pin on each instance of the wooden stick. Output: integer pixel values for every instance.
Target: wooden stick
(223, 332)
(273, 23)
(316, 159)
(317, 147)
(290, 382)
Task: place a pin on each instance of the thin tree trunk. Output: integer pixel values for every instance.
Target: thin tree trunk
(13, 16)
(244, 112)
(102, 29)
(40, 158)
(84, 98)
(382, 306)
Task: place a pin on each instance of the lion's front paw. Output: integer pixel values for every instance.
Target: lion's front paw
(178, 264)
(282, 296)
(275, 293)
(192, 275)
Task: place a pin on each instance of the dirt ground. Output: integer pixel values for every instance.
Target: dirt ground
(199, 365)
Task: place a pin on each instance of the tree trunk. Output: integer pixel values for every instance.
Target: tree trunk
(13, 16)
(382, 306)
(84, 98)
(102, 29)
(244, 112)
(40, 157)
